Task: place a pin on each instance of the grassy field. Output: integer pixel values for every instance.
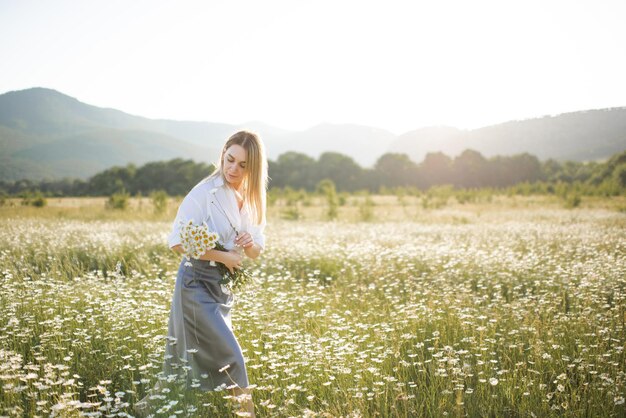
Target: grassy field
(509, 306)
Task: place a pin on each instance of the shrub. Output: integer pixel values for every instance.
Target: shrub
(366, 209)
(572, 201)
(39, 201)
(437, 196)
(36, 199)
(272, 196)
(292, 201)
(619, 175)
(343, 198)
(118, 200)
(400, 195)
(159, 201)
(327, 188)
(291, 213)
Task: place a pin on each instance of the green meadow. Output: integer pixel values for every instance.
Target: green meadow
(376, 306)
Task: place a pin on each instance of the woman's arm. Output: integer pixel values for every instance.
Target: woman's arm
(253, 251)
(251, 248)
(231, 259)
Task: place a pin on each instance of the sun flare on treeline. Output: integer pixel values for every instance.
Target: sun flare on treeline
(297, 171)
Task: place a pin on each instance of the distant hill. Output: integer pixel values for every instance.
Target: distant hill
(578, 136)
(46, 134)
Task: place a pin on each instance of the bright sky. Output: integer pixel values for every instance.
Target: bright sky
(397, 65)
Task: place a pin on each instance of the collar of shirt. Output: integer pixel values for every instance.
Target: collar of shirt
(218, 181)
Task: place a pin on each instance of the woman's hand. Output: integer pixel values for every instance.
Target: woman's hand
(244, 240)
(232, 260)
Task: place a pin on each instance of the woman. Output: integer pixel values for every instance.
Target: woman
(202, 349)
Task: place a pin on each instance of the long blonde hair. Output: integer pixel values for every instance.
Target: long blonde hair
(255, 180)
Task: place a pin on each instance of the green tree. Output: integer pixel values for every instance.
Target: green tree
(436, 169)
(470, 169)
(176, 177)
(341, 169)
(293, 169)
(111, 181)
(396, 170)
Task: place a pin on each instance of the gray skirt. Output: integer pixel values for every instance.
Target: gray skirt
(201, 347)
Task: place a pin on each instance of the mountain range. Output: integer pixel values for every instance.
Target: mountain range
(45, 134)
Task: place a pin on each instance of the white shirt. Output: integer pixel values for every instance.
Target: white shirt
(214, 202)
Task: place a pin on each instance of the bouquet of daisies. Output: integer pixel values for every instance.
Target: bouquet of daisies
(197, 239)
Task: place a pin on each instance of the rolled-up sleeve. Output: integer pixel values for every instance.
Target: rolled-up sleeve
(258, 233)
(191, 208)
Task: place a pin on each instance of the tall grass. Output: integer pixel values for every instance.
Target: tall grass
(516, 311)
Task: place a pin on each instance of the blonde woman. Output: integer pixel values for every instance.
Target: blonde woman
(202, 348)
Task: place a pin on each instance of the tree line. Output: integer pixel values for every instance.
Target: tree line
(295, 170)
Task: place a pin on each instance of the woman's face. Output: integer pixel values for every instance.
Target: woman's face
(234, 165)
